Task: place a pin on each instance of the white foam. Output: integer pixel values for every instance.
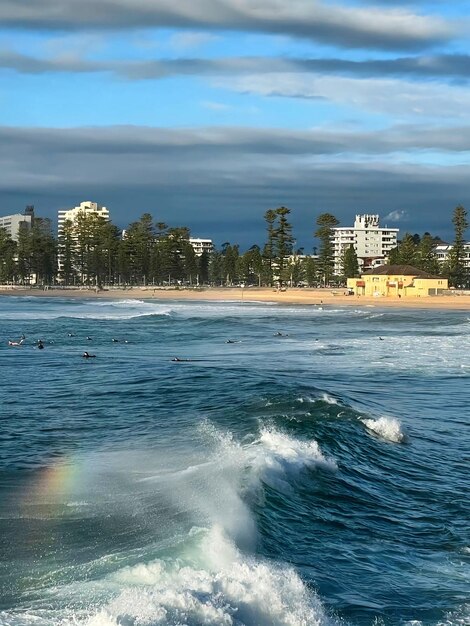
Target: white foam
(388, 428)
(325, 397)
(329, 399)
(218, 586)
(275, 457)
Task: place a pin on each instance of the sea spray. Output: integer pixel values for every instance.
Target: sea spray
(218, 586)
(388, 428)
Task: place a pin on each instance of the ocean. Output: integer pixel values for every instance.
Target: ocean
(298, 466)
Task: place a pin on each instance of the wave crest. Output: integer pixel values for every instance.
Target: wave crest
(211, 591)
(388, 428)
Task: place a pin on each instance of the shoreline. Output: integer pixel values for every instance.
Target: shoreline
(294, 296)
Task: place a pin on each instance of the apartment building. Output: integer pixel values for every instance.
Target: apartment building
(87, 208)
(201, 245)
(443, 251)
(371, 242)
(83, 208)
(14, 223)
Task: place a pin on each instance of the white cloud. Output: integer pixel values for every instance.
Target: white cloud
(396, 216)
(400, 98)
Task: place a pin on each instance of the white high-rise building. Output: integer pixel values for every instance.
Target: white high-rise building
(201, 245)
(83, 208)
(14, 223)
(87, 208)
(371, 243)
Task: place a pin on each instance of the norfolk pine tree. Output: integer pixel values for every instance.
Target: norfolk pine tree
(326, 222)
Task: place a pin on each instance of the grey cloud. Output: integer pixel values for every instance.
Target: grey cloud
(218, 180)
(436, 67)
(192, 146)
(344, 26)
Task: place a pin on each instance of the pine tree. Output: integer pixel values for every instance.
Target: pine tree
(326, 222)
(407, 250)
(458, 272)
(426, 258)
(67, 246)
(311, 271)
(7, 257)
(203, 267)
(350, 264)
(283, 243)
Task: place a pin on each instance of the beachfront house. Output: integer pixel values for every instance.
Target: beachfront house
(399, 281)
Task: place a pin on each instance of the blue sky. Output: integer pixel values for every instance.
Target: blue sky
(207, 113)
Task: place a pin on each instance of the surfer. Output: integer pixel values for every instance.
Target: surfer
(40, 344)
(85, 355)
(231, 341)
(115, 340)
(71, 335)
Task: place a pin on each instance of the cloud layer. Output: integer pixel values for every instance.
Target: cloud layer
(193, 176)
(345, 26)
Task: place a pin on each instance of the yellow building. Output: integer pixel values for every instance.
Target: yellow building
(397, 280)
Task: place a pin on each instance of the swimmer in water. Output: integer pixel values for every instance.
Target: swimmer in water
(85, 355)
(16, 343)
(115, 340)
(71, 335)
(40, 345)
(89, 339)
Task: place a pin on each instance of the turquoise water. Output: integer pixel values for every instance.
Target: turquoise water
(318, 477)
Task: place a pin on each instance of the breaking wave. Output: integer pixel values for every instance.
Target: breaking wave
(388, 428)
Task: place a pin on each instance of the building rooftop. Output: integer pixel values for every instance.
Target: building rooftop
(398, 270)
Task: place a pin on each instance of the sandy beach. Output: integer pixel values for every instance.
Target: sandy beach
(319, 297)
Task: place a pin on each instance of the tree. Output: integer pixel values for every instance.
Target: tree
(190, 262)
(216, 268)
(426, 258)
(203, 267)
(394, 256)
(230, 256)
(283, 241)
(23, 255)
(407, 250)
(7, 256)
(268, 250)
(350, 264)
(43, 251)
(326, 222)
(458, 274)
(67, 246)
(140, 241)
(311, 271)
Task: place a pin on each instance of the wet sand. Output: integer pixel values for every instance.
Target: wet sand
(319, 297)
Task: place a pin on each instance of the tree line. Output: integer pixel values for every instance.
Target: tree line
(92, 251)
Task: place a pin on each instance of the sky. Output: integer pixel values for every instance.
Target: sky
(206, 113)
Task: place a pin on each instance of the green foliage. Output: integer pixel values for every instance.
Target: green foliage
(311, 271)
(7, 257)
(407, 251)
(326, 222)
(458, 272)
(278, 246)
(426, 258)
(350, 264)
